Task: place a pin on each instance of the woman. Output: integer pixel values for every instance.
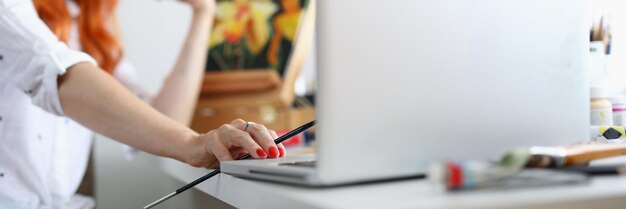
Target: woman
(43, 156)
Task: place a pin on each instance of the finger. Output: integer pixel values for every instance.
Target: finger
(238, 123)
(237, 153)
(281, 147)
(281, 150)
(262, 136)
(245, 141)
(242, 139)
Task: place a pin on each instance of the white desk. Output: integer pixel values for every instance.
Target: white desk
(601, 192)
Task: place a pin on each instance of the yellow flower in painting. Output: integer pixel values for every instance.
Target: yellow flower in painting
(243, 19)
(234, 30)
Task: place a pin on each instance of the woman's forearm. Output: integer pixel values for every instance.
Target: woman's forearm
(96, 100)
(99, 102)
(179, 93)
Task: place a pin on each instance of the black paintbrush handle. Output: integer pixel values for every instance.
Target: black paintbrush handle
(197, 181)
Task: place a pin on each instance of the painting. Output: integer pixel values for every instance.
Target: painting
(253, 34)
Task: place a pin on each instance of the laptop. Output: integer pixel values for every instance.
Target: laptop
(403, 84)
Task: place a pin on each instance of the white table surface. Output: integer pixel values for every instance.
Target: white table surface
(600, 192)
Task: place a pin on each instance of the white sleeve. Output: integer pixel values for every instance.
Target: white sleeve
(31, 56)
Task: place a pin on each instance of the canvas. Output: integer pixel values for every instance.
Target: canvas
(253, 34)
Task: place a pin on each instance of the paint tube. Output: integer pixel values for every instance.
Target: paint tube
(485, 175)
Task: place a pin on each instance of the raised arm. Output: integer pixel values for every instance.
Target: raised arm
(179, 93)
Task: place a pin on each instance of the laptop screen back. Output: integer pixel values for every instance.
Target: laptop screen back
(405, 83)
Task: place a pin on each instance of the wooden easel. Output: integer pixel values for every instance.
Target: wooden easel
(261, 100)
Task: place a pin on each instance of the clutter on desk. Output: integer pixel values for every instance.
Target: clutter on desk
(600, 50)
(557, 157)
(607, 117)
(601, 108)
(618, 102)
(485, 175)
(598, 170)
(529, 167)
(606, 110)
(608, 134)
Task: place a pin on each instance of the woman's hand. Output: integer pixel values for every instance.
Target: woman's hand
(201, 6)
(232, 141)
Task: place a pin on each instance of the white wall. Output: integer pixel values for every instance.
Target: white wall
(152, 33)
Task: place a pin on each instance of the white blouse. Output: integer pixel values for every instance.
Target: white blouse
(43, 155)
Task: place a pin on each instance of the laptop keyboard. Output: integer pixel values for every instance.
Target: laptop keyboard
(310, 164)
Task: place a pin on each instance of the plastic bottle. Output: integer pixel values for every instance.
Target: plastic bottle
(601, 108)
(619, 109)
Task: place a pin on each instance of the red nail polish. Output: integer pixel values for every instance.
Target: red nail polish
(261, 153)
(273, 152)
(282, 151)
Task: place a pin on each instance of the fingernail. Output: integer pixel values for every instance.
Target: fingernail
(261, 153)
(273, 152)
(282, 151)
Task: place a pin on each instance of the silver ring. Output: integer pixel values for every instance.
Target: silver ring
(245, 126)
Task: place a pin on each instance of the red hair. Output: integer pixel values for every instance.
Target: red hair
(97, 27)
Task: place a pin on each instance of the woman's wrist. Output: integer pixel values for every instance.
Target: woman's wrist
(203, 7)
(186, 146)
(206, 13)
